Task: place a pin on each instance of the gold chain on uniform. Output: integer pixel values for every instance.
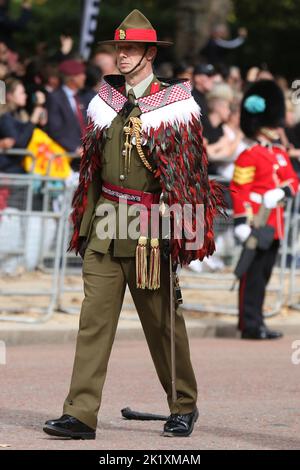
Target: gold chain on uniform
(134, 130)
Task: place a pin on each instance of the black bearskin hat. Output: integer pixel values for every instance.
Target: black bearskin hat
(263, 105)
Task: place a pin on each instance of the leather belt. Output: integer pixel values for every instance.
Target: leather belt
(145, 277)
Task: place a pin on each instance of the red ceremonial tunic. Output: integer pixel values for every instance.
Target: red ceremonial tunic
(257, 170)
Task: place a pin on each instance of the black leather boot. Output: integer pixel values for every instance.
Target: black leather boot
(68, 426)
(178, 425)
(261, 333)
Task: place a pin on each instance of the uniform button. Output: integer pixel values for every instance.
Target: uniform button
(122, 177)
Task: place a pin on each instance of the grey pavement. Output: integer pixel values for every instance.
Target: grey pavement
(249, 396)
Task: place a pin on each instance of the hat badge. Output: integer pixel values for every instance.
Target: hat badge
(122, 34)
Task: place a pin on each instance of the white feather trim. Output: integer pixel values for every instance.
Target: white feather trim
(174, 113)
(100, 113)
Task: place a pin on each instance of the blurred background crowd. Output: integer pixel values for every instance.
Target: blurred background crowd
(50, 90)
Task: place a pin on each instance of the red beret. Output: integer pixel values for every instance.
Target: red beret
(71, 67)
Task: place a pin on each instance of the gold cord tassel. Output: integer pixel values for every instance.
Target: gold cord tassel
(154, 271)
(141, 263)
(136, 131)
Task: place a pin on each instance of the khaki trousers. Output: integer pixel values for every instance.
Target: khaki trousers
(105, 278)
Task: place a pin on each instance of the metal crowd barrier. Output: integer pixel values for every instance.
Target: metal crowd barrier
(222, 279)
(47, 201)
(218, 275)
(29, 222)
(294, 257)
(202, 284)
(70, 265)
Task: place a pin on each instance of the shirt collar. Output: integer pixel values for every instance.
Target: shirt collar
(69, 91)
(141, 87)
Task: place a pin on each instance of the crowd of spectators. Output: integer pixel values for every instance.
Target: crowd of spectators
(52, 92)
(218, 89)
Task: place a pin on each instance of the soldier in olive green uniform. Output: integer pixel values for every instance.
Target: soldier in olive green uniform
(109, 263)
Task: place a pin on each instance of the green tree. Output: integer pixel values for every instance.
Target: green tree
(273, 26)
(194, 21)
(50, 19)
(274, 34)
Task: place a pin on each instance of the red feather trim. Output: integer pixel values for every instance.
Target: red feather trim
(181, 167)
(90, 162)
(181, 161)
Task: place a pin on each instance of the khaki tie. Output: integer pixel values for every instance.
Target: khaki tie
(131, 96)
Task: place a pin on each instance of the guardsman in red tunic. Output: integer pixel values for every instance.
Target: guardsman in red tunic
(263, 174)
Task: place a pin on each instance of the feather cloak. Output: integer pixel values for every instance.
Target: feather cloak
(172, 127)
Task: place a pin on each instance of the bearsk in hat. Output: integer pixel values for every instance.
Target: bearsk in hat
(263, 105)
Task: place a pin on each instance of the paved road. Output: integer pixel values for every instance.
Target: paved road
(249, 397)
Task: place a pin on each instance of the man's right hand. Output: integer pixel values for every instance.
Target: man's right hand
(82, 248)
